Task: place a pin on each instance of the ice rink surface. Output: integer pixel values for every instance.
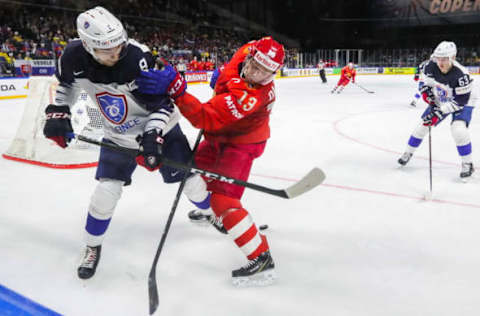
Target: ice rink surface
(363, 243)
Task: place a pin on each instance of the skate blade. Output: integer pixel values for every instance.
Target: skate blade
(466, 179)
(203, 222)
(264, 278)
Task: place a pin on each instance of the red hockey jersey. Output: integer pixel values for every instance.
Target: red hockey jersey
(348, 73)
(238, 113)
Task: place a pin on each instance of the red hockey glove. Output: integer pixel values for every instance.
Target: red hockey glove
(427, 95)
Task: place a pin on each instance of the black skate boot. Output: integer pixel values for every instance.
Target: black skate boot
(206, 217)
(257, 272)
(89, 262)
(467, 170)
(413, 103)
(405, 158)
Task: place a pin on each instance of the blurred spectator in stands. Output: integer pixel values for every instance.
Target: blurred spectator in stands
(180, 29)
(209, 65)
(193, 65)
(7, 66)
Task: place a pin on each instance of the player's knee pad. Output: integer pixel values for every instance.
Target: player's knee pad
(420, 131)
(460, 133)
(195, 188)
(221, 204)
(105, 198)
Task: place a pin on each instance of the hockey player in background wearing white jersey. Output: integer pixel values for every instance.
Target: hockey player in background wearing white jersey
(447, 91)
(418, 77)
(105, 63)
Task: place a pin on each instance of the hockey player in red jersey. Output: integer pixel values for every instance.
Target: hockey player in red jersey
(236, 125)
(348, 74)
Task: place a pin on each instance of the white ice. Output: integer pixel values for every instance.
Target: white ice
(363, 243)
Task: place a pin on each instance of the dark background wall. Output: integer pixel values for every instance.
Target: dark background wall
(367, 24)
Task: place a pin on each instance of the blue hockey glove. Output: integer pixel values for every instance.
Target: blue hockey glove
(157, 82)
(215, 75)
(432, 118)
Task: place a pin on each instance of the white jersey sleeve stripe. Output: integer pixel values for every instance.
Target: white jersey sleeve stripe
(157, 120)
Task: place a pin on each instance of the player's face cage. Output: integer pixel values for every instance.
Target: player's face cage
(255, 73)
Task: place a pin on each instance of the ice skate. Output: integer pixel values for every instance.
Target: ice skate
(257, 272)
(467, 171)
(205, 218)
(89, 262)
(405, 158)
(413, 103)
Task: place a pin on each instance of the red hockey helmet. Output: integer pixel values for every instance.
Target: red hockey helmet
(268, 53)
(268, 56)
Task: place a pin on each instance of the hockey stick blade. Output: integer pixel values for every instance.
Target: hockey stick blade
(152, 292)
(311, 180)
(364, 89)
(315, 177)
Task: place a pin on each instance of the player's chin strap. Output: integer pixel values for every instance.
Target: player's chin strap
(315, 177)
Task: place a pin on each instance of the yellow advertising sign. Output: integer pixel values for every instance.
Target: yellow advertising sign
(399, 71)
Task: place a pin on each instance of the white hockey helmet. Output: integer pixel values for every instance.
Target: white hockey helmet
(445, 49)
(99, 29)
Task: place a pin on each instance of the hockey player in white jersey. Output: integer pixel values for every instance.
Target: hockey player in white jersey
(447, 90)
(105, 63)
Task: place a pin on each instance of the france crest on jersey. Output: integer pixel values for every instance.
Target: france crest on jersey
(442, 93)
(113, 106)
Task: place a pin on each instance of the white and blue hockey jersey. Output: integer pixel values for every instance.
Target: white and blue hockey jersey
(454, 86)
(126, 113)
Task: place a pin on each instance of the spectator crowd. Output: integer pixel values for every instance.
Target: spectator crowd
(180, 32)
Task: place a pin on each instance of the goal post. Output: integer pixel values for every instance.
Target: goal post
(30, 145)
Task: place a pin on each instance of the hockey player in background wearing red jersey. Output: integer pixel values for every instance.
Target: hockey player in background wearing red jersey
(348, 74)
(236, 125)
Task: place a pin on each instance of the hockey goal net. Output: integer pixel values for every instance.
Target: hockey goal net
(31, 146)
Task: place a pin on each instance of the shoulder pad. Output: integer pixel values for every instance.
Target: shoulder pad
(143, 47)
(461, 67)
(74, 47)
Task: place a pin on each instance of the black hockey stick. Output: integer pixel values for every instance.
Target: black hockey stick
(152, 279)
(315, 177)
(364, 89)
(430, 160)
